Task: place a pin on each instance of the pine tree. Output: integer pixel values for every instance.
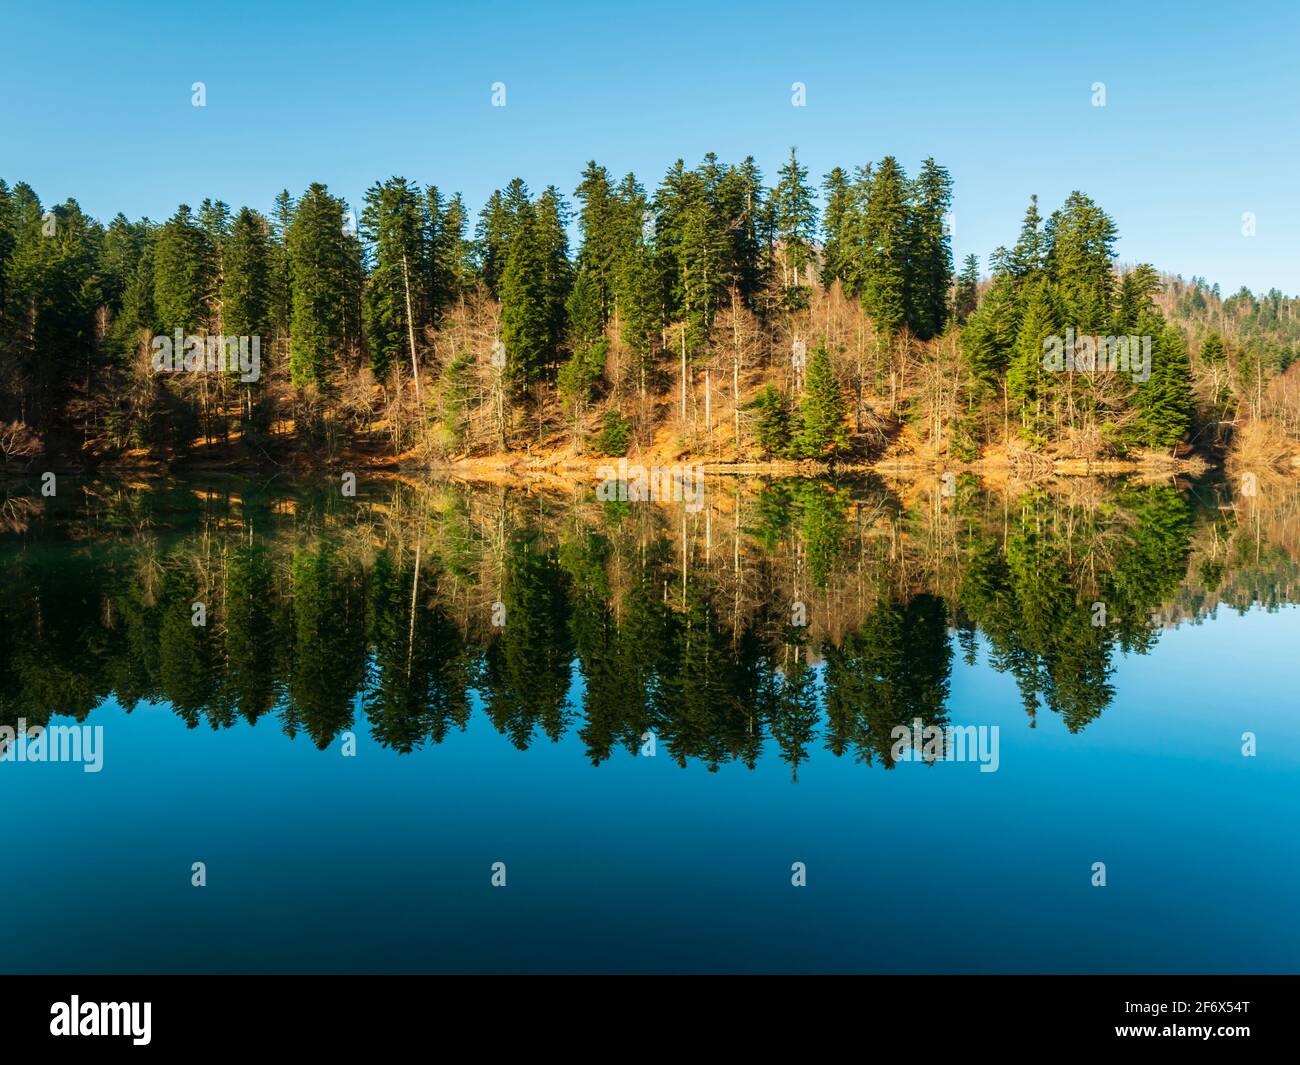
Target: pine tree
(705, 264)
(836, 220)
(526, 313)
(740, 198)
(598, 220)
(1079, 240)
(1135, 300)
(445, 258)
(990, 333)
(396, 225)
(551, 227)
(929, 251)
(1164, 400)
(967, 296)
(1026, 259)
(822, 431)
(672, 203)
(496, 229)
(326, 264)
(640, 308)
(281, 273)
(772, 421)
(1029, 383)
(794, 219)
(245, 284)
(886, 231)
(182, 274)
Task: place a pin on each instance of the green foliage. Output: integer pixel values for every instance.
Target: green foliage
(886, 227)
(1164, 400)
(822, 431)
(794, 219)
(1080, 240)
(245, 281)
(967, 296)
(182, 274)
(615, 435)
(990, 333)
(930, 251)
(1029, 384)
(772, 421)
(579, 378)
(395, 224)
(325, 265)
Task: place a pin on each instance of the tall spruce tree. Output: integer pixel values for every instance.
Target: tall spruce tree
(527, 317)
(182, 274)
(886, 232)
(836, 221)
(325, 261)
(245, 283)
(966, 298)
(396, 224)
(1030, 384)
(1080, 254)
(822, 430)
(794, 219)
(930, 251)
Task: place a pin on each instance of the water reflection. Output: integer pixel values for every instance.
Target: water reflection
(792, 616)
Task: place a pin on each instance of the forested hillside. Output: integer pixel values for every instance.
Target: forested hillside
(717, 316)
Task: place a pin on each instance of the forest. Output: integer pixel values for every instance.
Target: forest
(717, 317)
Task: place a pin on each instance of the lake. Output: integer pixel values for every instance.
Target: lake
(259, 725)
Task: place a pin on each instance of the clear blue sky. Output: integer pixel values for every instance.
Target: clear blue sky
(1201, 121)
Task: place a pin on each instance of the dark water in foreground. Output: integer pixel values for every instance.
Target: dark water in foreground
(390, 693)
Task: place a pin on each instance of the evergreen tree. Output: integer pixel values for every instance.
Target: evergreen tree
(445, 252)
(245, 283)
(967, 295)
(794, 219)
(1030, 384)
(822, 431)
(930, 251)
(496, 229)
(672, 202)
(526, 313)
(639, 306)
(836, 220)
(598, 221)
(396, 225)
(1164, 400)
(1212, 350)
(1080, 239)
(990, 333)
(772, 421)
(280, 297)
(326, 263)
(551, 229)
(182, 274)
(1026, 258)
(740, 198)
(886, 232)
(1135, 300)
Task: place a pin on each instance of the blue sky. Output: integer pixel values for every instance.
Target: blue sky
(1200, 123)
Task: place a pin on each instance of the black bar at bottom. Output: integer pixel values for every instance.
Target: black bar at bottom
(337, 1013)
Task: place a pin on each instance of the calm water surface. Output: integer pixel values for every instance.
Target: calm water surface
(390, 693)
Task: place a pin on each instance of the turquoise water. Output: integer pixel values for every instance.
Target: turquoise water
(349, 766)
